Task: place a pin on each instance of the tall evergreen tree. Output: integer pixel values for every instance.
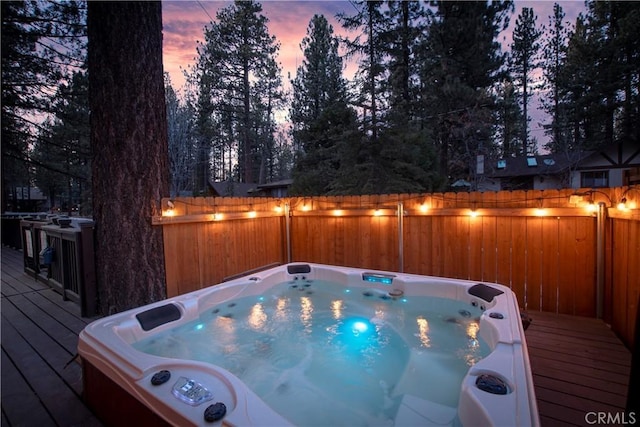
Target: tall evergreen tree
(601, 76)
(524, 52)
(238, 52)
(555, 57)
(62, 153)
(369, 46)
(319, 111)
(406, 151)
(509, 120)
(182, 142)
(461, 61)
(42, 42)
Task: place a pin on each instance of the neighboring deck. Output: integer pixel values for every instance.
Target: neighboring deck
(579, 365)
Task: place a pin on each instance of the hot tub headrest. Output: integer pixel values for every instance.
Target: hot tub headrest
(157, 316)
(299, 269)
(485, 292)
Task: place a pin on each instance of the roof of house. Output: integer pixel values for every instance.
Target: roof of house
(284, 183)
(547, 164)
(240, 189)
(231, 188)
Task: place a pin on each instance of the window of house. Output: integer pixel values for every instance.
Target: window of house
(594, 179)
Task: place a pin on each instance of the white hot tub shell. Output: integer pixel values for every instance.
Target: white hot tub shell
(124, 385)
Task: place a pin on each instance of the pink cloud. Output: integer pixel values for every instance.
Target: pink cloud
(184, 23)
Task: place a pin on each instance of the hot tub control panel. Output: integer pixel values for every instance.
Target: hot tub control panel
(191, 392)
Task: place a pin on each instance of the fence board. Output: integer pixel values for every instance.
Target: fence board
(567, 256)
(633, 277)
(475, 244)
(489, 249)
(585, 284)
(437, 245)
(619, 289)
(551, 265)
(534, 267)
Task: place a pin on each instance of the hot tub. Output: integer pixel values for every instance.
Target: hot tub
(311, 344)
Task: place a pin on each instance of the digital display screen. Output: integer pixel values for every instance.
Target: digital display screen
(385, 279)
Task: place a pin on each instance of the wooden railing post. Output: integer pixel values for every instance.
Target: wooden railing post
(72, 272)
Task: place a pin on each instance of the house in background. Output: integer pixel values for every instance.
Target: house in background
(527, 173)
(614, 166)
(25, 199)
(231, 188)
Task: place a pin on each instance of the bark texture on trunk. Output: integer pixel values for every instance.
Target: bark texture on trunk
(129, 142)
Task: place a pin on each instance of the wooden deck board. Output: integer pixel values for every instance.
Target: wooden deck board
(578, 364)
(41, 381)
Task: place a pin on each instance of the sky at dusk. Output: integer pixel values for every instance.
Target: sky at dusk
(184, 22)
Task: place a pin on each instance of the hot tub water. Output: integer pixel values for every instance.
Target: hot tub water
(319, 353)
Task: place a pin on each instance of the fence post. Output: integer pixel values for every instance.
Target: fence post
(287, 226)
(400, 237)
(89, 296)
(600, 261)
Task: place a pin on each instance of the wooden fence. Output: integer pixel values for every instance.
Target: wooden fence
(564, 251)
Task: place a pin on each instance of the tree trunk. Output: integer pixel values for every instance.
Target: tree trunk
(130, 153)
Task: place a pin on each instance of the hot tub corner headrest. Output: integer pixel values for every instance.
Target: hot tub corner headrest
(485, 292)
(157, 316)
(298, 269)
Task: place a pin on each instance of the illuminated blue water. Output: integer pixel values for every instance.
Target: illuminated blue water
(320, 354)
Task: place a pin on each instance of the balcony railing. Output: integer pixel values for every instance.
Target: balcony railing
(61, 254)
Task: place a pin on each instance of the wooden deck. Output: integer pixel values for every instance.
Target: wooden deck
(579, 365)
(41, 378)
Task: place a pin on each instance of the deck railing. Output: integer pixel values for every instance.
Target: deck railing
(62, 256)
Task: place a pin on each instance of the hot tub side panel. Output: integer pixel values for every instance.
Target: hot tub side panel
(112, 404)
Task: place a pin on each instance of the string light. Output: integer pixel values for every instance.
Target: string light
(622, 206)
(540, 210)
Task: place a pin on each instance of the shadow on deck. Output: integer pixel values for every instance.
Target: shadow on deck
(579, 365)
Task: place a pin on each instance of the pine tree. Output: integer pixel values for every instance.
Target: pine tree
(406, 152)
(238, 52)
(524, 51)
(42, 43)
(319, 112)
(461, 62)
(369, 46)
(62, 153)
(601, 76)
(555, 57)
(509, 120)
(182, 142)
